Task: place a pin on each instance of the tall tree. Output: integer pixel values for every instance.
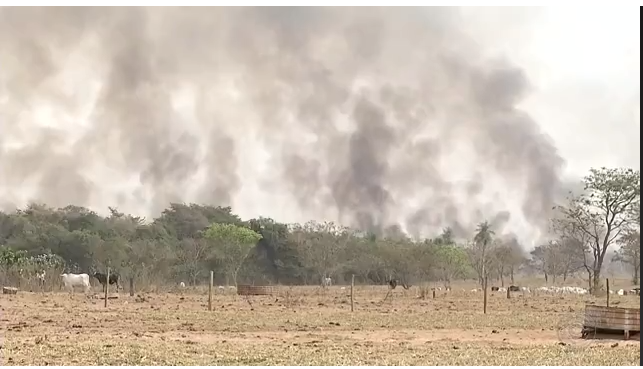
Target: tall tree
(597, 218)
(481, 242)
(322, 246)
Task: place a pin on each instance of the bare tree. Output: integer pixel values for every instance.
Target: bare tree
(630, 253)
(192, 254)
(506, 257)
(597, 218)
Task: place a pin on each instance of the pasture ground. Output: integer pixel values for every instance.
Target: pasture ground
(303, 326)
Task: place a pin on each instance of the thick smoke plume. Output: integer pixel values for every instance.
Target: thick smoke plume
(369, 116)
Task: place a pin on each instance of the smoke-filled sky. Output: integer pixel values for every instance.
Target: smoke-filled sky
(368, 116)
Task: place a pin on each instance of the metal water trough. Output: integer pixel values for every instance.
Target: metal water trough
(604, 319)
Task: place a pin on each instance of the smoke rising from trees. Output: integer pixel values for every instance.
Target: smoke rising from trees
(372, 116)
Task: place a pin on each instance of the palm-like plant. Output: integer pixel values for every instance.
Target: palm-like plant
(483, 237)
(484, 234)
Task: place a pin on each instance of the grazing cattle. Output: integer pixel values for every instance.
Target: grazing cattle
(495, 289)
(327, 282)
(394, 282)
(41, 278)
(525, 289)
(113, 279)
(636, 291)
(76, 280)
(514, 288)
(502, 289)
(182, 284)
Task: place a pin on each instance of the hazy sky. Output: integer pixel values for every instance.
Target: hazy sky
(585, 69)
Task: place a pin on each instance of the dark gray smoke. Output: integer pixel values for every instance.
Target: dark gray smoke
(362, 110)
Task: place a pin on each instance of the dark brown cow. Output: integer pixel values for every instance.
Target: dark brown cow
(394, 282)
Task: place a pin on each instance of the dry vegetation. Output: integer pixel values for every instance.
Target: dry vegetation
(302, 326)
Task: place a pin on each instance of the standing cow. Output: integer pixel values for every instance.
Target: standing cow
(71, 280)
(327, 282)
(114, 278)
(41, 279)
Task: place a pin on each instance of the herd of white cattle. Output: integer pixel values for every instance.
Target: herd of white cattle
(563, 290)
(582, 291)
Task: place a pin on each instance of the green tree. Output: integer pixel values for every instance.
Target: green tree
(322, 247)
(452, 262)
(277, 256)
(232, 244)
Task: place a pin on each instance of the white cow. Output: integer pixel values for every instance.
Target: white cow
(327, 282)
(71, 280)
(41, 278)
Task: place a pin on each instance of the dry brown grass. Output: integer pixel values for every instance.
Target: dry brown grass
(302, 326)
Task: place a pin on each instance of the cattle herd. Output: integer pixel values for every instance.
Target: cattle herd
(71, 281)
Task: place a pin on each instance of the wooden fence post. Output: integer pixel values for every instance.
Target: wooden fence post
(352, 287)
(508, 293)
(107, 287)
(484, 302)
(131, 286)
(210, 290)
(607, 285)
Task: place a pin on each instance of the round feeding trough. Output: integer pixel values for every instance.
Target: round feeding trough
(247, 290)
(611, 320)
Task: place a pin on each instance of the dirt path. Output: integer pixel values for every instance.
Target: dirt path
(413, 337)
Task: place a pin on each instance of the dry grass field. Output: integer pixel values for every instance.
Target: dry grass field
(302, 326)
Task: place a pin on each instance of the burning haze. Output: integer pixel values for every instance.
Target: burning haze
(371, 117)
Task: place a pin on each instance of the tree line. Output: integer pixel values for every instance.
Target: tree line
(186, 241)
